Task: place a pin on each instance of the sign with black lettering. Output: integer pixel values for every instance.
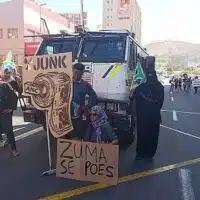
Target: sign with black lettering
(47, 80)
(87, 161)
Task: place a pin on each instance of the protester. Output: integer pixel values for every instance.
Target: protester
(172, 83)
(185, 83)
(80, 110)
(149, 100)
(99, 129)
(11, 77)
(179, 84)
(176, 83)
(196, 84)
(7, 105)
(189, 83)
(6, 116)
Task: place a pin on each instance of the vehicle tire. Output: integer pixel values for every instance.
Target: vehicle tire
(126, 138)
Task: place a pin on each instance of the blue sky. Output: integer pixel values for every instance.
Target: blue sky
(162, 19)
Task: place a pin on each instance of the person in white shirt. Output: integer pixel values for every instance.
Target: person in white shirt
(195, 84)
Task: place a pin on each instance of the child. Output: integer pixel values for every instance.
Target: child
(99, 129)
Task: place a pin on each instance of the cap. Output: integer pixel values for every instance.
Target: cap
(79, 66)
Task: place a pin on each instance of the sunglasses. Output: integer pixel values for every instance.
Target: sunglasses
(93, 114)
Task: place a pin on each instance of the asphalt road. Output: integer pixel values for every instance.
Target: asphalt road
(177, 178)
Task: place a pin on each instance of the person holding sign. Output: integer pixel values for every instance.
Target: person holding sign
(81, 89)
(99, 129)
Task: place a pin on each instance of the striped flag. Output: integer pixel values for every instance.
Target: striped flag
(138, 77)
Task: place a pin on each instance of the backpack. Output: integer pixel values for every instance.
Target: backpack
(8, 97)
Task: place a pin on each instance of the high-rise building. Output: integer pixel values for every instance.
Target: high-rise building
(122, 14)
(99, 27)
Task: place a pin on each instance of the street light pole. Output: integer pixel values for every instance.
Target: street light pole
(82, 17)
(42, 4)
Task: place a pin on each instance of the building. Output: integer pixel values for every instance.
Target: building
(75, 19)
(26, 17)
(99, 27)
(123, 14)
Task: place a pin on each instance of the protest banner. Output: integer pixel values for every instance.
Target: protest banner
(196, 83)
(87, 161)
(69, 153)
(47, 80)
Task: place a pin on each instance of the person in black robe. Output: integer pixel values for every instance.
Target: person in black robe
(149, 98)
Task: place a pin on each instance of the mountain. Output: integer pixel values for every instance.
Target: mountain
(174, 48)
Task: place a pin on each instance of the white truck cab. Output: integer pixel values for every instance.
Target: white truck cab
(110, 58)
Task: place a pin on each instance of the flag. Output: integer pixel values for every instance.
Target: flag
(138, 77)
(9, 62)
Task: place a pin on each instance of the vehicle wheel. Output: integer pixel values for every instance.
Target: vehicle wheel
(126, 138)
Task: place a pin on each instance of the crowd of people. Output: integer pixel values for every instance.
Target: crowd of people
(90, 121)
(183, 83)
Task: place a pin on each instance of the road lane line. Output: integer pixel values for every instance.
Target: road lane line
(124, 179)
(178, 131)
(172, 98)
(29, 133)
(184, 112)
(17, 129)
(187, 190)
(174, 115)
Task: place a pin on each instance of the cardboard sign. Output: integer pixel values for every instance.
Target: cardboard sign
(48, 80)
(196, 83)
(87, 161)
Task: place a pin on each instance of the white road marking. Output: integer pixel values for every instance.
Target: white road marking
(172, 98)
(174, 115)
(181, 132)
(29, 133)
(17, 129)
(192, 113)
(187, 190)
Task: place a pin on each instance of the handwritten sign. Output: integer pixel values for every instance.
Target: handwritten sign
(87, 161)
(196, 83)
(48, 81)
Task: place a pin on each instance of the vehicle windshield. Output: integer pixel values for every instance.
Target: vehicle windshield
(101, 49)
(59, 45)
